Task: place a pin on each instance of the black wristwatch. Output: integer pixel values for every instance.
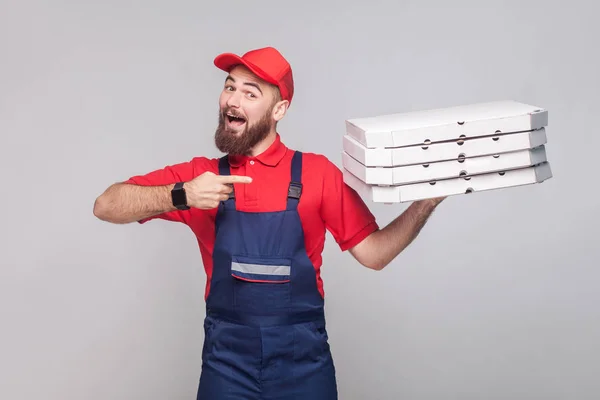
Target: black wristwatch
(178, 197)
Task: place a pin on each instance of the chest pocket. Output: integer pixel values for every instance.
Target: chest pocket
(261, 285)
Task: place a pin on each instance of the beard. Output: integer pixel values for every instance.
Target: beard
(241, 143)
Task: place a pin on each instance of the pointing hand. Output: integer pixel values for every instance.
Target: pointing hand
(206, 190)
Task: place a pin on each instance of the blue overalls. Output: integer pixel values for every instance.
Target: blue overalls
(265, 335)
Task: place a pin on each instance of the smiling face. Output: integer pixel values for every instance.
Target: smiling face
(249, 109)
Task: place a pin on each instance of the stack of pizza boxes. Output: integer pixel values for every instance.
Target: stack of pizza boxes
(443, 152)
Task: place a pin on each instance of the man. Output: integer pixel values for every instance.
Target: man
(260, 214)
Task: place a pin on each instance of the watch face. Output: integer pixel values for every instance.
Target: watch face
(179, 198)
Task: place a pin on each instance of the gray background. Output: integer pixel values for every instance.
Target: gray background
(497, 298)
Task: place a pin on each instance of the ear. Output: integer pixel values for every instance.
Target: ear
(279, 109)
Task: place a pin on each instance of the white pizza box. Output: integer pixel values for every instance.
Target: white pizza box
(444, 169)
(442, 124)
(449, 187)
(446, 151)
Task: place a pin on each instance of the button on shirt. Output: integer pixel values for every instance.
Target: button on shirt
(327, 203)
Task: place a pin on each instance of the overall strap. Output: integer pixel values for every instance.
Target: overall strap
(295, 188)
(224, 170)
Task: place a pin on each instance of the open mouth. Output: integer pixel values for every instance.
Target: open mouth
(235, 120)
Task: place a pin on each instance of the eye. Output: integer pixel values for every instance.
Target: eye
(251, 95)
(229, 88)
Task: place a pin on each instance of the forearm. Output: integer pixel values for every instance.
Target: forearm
(124, 203)
(382, 246)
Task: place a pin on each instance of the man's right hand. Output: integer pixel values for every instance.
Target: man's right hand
(123, 203)
(206, 190)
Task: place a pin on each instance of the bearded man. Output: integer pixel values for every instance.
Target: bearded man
(260, 214)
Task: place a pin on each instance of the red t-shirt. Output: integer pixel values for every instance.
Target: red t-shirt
(327, 203)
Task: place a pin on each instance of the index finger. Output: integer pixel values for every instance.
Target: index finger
(234, 179)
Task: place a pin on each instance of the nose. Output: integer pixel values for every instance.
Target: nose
(234, 99)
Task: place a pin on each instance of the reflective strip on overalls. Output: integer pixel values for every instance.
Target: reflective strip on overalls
(265, 335)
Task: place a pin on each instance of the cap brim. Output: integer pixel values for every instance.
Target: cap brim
(227, 61)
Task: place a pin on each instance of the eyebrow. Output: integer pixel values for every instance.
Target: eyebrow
(255, 85)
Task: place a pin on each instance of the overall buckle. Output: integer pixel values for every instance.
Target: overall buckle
(295, 190)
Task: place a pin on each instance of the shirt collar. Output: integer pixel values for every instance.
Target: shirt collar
(270, 157)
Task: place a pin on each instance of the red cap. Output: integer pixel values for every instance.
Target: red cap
(267, 63)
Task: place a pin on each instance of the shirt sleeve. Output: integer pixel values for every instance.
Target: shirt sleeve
(345, 214)
(171, 174)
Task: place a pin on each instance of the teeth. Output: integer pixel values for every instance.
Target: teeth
(233, 116)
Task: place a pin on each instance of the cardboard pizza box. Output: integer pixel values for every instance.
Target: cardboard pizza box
(444, 169)
(444, 151)
(449, 187)
(443, 124)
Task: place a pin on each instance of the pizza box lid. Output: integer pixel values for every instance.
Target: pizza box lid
(446, 151)
(444, 169)
(449, 187)
(441, 124)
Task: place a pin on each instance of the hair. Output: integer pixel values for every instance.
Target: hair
(278, 97)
